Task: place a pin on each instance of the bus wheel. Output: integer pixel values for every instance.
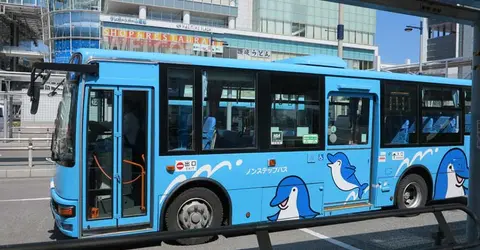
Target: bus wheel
(411, 192)
(195, 208)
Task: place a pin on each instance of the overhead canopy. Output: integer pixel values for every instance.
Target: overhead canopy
(467, 12)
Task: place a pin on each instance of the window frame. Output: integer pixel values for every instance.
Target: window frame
(199, 110)
(266, 118)
(460, 109)
(262, 81)
(383, 85)
(163, 110)
(419, 87)
(197, 114)
(465, 89)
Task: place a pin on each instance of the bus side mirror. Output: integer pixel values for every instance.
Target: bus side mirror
(34, 89)
(34, 94)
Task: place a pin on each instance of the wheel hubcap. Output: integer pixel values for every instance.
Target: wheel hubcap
(412, 195)
(195, 213)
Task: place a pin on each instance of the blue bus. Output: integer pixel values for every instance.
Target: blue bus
(154, 142)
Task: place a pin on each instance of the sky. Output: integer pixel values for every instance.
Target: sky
(395, 45)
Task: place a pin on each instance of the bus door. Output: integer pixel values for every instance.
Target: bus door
(118, 158)
(348, 146)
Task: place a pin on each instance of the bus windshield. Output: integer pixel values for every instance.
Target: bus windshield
(63, 147)
(63, 140)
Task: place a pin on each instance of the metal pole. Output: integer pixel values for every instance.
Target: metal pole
(474, 174)
(340, 21)
(211, 45)
(30, 154)
(5, 117)
(420, 61)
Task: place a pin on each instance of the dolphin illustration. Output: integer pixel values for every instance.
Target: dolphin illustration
(451, 175)
(292, 199)
(343, 173)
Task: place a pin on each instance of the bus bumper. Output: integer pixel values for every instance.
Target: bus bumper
(66, 225)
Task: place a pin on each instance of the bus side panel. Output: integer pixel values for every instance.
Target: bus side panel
(394, 162)
(254, 188)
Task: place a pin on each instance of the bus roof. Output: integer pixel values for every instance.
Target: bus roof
(314, 64)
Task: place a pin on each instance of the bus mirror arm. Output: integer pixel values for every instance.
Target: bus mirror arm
(34, 88)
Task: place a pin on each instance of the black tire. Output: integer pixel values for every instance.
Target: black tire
(412, 181)
(171, 214)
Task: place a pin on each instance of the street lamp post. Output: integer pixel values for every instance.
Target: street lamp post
(410, 28)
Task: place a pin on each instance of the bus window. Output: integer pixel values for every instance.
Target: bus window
(350, 115)
(468, 111)
(180, 106)
(399, 114)
(295, 110)
(441, 112)
(228, 110)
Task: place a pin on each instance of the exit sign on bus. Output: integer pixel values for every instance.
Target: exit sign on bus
(186, 165)
(310, 139)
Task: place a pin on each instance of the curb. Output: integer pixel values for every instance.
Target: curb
(26, 173)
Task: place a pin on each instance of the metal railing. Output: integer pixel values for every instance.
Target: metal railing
(48, 131)
(262, 231)
(29, 147)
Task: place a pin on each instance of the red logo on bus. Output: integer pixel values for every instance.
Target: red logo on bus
(180, 165)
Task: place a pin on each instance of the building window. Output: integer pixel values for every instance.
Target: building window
(228, 109)
(180, 104)
(441, 112)
(399, 113)
(298, 29)
(295, 111)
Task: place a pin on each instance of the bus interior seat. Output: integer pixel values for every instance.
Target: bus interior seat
(428, 126)
(184, 131)
(402, 136)
(440, 124)
(344, 133)
(468, 122)
(233, 139)
(209, 133)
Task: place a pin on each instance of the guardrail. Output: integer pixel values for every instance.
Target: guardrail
(30, 147)
(261, 230)
(39, 131)
(17, 133)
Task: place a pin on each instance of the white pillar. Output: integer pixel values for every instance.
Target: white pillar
(377, 63)
(231, 22)
(142, 13)
(186, 17)
(407, 61)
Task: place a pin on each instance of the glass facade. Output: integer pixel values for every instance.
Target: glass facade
(76, 23)
(314, 19)
(172, 41)
(72, 24)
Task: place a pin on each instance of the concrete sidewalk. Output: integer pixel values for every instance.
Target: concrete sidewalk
(39, 169)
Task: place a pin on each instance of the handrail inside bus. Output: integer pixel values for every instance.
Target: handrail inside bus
(142, 175)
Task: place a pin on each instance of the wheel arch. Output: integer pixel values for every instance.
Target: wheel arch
(423, 172)
(208, 183)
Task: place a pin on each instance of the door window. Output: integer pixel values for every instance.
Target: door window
(100, 154)
(348, 120)
(134, 152)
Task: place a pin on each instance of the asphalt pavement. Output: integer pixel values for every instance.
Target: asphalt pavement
(26, 218)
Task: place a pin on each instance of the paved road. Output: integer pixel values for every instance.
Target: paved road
(26, 218)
